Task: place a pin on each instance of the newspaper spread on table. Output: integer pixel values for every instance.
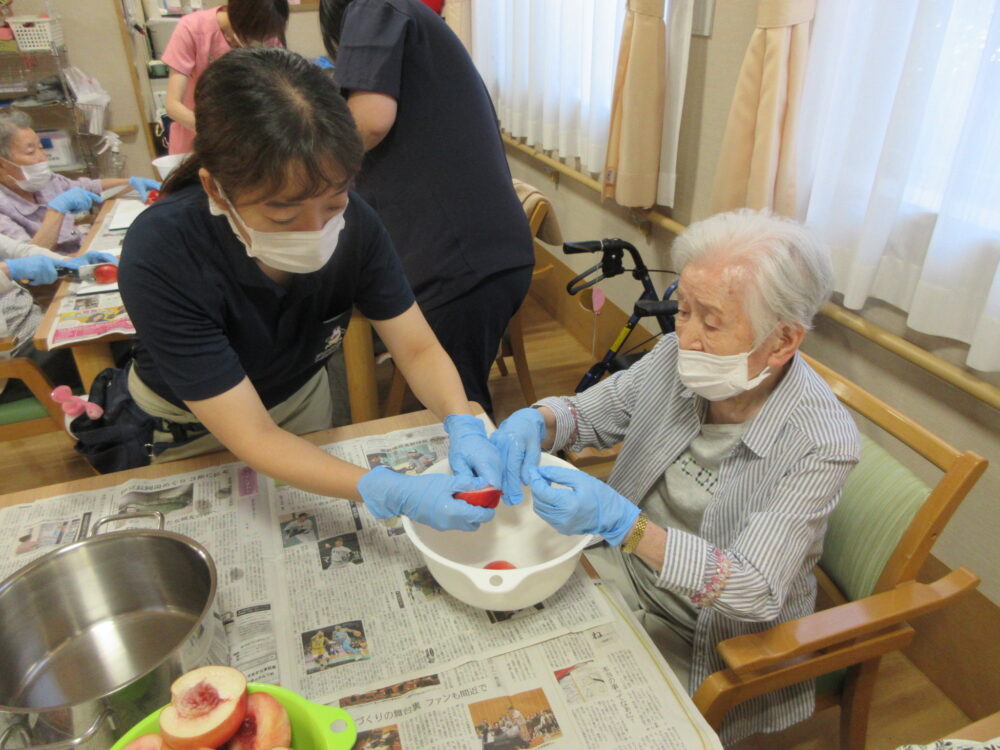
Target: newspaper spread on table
(316, 594)
(87, 316)
(83, 317)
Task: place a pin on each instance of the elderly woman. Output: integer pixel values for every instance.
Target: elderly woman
(734, 453)
(36, 205)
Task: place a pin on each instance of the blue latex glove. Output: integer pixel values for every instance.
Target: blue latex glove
(89, 258)
(142, 185)
(426, 498)
(589, 506)
(74, 199)
(519, 440)
(470, 452)
(35, 269)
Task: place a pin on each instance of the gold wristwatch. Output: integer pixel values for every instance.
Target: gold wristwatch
(636, 536)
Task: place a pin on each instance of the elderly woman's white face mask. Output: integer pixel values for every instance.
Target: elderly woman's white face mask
(711, 321)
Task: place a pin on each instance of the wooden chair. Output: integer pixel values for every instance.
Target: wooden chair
(27, 417)
(511, 345)
(878, 538)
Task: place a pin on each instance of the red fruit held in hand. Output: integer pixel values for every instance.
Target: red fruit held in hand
(488, 497)
(152, 196)
(500, 565)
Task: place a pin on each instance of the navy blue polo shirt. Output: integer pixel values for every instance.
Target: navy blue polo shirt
(206, 315)
(439, 180)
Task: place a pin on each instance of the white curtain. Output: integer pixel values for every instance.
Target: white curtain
(550, 67)
(900, 161)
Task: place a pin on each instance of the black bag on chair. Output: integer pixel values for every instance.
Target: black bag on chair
(122, 438)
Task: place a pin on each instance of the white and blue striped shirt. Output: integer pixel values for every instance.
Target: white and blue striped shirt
(751, 565)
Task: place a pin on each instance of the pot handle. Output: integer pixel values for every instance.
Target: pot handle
(61, 745)
(160, 520)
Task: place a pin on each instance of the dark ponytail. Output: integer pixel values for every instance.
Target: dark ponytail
(265, 116)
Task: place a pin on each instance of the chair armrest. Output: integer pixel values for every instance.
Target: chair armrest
(7, 343)
(750, 653)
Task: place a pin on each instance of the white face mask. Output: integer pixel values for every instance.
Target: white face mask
(36, 176)
(717, 377)
(295, 252)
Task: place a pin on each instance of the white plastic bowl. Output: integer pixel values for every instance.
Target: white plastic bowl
(167, 164)
(545, 559)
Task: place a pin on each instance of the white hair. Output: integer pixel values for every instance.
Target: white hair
(11, 121)
(787, 269)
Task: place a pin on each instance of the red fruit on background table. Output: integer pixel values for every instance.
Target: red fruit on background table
(106, 273)
(500, 565)
(488, 497)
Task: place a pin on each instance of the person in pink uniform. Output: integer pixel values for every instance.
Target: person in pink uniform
(204, 36)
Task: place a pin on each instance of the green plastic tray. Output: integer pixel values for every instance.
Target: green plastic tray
(314, 727)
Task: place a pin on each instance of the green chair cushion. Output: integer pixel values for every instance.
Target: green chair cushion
(22, 410)
(880, 498)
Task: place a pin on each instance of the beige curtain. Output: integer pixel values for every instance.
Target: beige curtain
(757, 163)
(631, 169)
(458, 16)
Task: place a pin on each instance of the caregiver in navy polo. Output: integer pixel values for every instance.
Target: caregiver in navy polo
(241, 281)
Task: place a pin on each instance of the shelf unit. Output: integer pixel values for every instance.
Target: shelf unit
(20, 75)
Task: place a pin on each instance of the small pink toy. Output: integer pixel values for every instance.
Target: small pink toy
(74, 406)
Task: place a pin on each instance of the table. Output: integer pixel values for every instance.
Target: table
(577, 692)
(90, 356)
(95, 355)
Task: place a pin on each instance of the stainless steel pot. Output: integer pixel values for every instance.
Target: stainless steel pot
(93, 633)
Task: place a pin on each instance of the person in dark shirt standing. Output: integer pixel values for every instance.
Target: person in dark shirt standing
(241, 281)
(435, 171)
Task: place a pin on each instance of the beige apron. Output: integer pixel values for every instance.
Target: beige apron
(307, 410)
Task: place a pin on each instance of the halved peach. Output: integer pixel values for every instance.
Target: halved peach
(207, 706)
(146, 742)
(488, 497)
(265, 726)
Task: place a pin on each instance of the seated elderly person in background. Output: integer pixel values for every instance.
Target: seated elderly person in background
(23, 263)
(734, 453)
(37, 205)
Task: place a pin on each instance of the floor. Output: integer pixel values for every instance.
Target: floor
(907, 708)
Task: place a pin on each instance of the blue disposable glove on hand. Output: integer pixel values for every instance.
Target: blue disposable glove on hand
(426, 498)
(589, 506)
(74, 199)
(89, 258)
(470, 452)
(35, 269)
(519, 440)
(142, 185)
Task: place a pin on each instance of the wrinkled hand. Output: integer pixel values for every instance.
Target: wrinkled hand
(426, 498)
(589, 506)
(470, 452)
(142, 185)
(35, 269)
(519, 441)
(89, 258)
(74, 199)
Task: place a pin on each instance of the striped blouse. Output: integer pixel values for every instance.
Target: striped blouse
(751, 565)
